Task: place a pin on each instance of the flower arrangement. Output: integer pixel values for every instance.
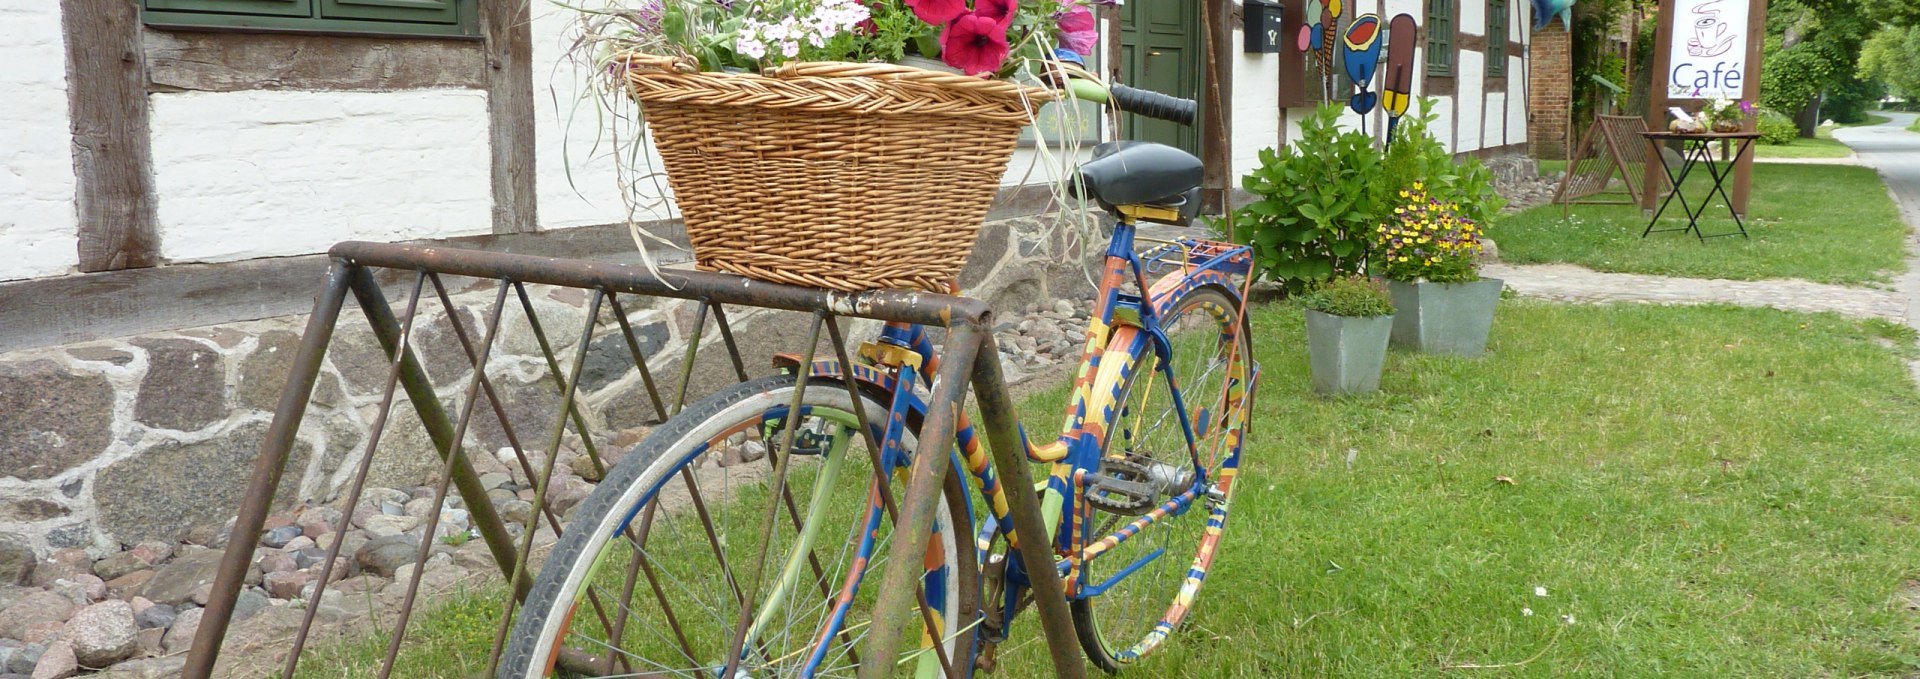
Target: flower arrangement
(1725, 115)
(1427, 239)
(1349, 296)
(992, 38)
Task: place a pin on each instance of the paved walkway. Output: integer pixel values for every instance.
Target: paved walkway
(1887, 147)
(1574, 283)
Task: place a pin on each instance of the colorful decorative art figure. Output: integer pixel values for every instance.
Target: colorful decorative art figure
(1396, 79)
(1545, 10)
(1360, 54)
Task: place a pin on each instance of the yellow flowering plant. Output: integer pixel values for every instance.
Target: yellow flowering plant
(1428, 239)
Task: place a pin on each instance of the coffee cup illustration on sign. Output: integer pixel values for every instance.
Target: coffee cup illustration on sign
(1711, 36)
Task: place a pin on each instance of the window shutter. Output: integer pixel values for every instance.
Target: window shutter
(1496, 38)
(301, 8)
(410, 11)
(1440, 38)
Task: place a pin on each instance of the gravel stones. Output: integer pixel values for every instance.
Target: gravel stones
(176, 581)
(103, 634)
(32, 609)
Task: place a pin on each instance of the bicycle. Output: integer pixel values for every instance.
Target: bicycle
(1137, 495)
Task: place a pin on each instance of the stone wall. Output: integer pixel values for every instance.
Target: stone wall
(109, 443)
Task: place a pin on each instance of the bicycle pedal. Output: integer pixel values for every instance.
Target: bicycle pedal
(1122, 486)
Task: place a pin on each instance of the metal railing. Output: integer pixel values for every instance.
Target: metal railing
(969, 358)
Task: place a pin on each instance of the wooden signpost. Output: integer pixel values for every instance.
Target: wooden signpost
(1704, 49)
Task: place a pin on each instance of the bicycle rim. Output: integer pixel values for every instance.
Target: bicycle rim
(1152, 577)
(650, 576)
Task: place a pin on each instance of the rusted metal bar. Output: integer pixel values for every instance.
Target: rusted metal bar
(781, 457)
(543, 484)
(639, 358)
(899, 587)
(561, 382)
(997, 416)
(433, 417)
(267, 470)
(686, 360)
(888, 305)
(726, 336)
(457, 455)
(374, 432)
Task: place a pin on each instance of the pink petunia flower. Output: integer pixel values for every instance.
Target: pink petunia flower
(1000, 11)
(1078, 31)
(975, 44)
(938, 12)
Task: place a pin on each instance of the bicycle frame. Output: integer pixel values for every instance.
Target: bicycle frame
(1125, 328)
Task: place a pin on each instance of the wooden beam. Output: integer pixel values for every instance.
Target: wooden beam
(112, 155)
(230, 62)
(80, 308)
(506, 27)
(1216, 107)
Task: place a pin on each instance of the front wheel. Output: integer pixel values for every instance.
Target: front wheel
(1152, 576)
(662, 569)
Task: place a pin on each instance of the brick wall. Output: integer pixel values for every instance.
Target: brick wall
(1550, 92)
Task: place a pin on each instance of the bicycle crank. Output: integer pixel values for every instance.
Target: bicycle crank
(1134, 485)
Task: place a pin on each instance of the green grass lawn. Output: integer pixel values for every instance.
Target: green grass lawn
(1825, 223)
(1822, 145)
(1701, 491)
(1817, 147)
(1915, 127)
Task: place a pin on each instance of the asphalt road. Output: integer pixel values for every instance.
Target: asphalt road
(1895, 153)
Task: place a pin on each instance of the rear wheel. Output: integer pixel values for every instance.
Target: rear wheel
(1152, 577)
(650, 577)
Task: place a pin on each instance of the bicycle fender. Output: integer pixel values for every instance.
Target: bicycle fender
(830, 369)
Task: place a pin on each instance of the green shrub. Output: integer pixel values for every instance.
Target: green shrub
(1350, 296)
(1417, 156)
(1776, 128)
(1317, 203)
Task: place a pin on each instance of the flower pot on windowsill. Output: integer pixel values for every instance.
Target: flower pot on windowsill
(1444, 318)
(1347, 353)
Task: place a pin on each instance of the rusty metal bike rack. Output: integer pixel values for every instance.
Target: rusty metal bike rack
(970, 358)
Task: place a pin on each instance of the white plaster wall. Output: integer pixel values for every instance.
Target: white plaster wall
(1516, 100)
(1491, 130)
(38, 232)
(270, 173)
(1473, 16)
(1256, 108)
(578, 157)
(1472, 69)
(1443, 126)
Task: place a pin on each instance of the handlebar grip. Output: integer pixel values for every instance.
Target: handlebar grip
(1153, 104)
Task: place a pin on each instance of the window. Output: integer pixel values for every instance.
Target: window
(1440, 38)
(1496, 38)
(389, 17)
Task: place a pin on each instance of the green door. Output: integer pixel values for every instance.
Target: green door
(1160, 51)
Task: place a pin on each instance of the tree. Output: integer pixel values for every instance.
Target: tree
(1890, 56)
(1812, 47)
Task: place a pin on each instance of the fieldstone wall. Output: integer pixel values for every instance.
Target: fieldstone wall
(109, 444)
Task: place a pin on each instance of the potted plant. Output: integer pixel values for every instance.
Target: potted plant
(765, 112)
(1348, 321)
(1429, 252)
(1725, 115)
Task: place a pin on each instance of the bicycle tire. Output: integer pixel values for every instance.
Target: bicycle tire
(1109, 648)
(555, 597)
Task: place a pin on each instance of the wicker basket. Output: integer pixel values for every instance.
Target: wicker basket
(833, 175)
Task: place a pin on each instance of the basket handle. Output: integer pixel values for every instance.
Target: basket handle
(883, 71)
(667, 64)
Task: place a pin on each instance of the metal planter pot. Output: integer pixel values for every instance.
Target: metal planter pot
(1347, 353)
(1444, 318)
